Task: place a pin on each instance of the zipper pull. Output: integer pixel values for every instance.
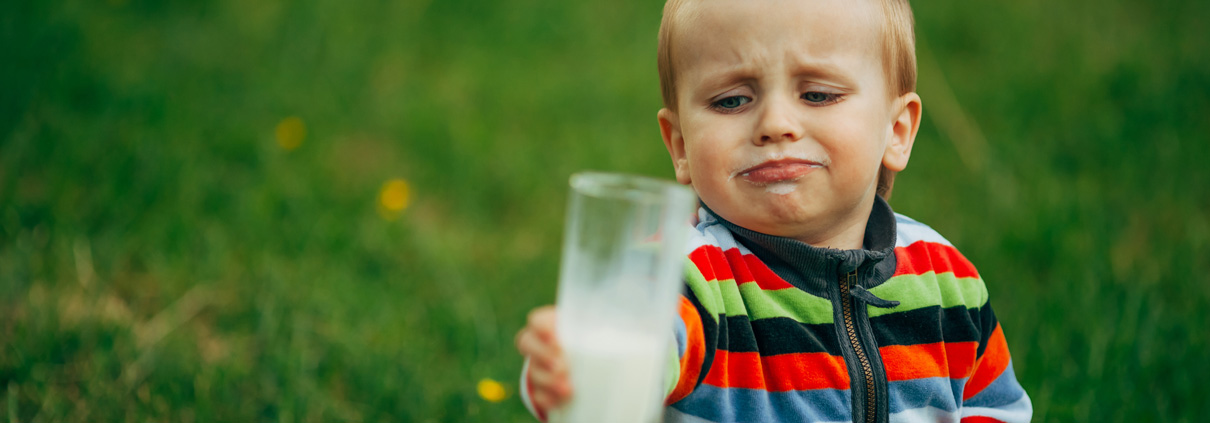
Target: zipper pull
(869, 298)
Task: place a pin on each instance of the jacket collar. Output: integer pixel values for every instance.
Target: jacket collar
(813, 268)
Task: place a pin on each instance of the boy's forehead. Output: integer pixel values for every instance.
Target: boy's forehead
(693, 10)
(738, 31)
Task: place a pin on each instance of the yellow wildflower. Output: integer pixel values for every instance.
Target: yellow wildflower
(492, 390)
(291, 132)
(394, 198)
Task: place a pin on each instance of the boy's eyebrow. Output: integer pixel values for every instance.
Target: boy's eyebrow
(824, 69)
(731, 74)
(813, 69)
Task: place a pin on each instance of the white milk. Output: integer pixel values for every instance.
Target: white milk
(617, 377)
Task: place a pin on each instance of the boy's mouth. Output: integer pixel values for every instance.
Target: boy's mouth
(780, 170)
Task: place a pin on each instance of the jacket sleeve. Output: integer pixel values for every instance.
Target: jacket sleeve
(992, 393)
(525, 394)
(696, 327)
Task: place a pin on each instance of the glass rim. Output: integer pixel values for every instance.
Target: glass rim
(626, 186)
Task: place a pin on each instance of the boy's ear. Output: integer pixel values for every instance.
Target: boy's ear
(674, 140)
(903, 132)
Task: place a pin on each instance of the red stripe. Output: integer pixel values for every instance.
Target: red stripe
(735, 261)
(748, 268)
(765, 278)
(701, 259)
(778, 373)
(921, 257)
(980, 419)
(723, 272)
(989, 366)
(941, 359)
(695, 352)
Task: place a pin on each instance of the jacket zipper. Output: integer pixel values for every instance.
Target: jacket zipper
(846, 301)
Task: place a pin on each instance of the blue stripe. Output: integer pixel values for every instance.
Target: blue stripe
(738, 404)
(937, 392)
(752, 405)
(901, 220)
(958, 385)
(1004, 390)
(682, 337)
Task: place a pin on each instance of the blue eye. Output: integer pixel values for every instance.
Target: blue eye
(818, 97)
(731, 102)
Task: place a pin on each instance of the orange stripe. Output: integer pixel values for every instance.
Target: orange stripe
(921, 257)
(990, 366)
(804, 371)
(778, 373)
(695, 352)
(740, 370)
(940, 359)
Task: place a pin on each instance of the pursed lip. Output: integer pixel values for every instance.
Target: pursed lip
(779, 170)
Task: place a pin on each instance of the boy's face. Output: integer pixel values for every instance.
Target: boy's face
(784, 117)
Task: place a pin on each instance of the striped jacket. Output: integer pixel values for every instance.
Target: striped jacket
(774, 330)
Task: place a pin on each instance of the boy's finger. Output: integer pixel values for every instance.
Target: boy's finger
(531, 345)
(542, 357)
(520, 341)
(548, 363)
(542, 400)
(543, 319)
(549, 398)
(542, 379)
(562, 388)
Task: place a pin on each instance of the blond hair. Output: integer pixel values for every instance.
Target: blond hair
(898, 58)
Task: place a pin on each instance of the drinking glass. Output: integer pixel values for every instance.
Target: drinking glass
(624, 248)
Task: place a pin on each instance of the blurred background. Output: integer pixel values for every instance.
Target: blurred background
(320, 210)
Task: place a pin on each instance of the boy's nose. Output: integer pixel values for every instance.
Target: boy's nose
(777, 123)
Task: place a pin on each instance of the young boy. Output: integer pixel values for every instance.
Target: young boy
(809, 299)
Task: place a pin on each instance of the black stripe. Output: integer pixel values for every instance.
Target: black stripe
(735, 334)
(710, 332)
(987, 319)
(782, 335)
(927, 325)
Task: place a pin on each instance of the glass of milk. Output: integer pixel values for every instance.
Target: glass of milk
(624, 248)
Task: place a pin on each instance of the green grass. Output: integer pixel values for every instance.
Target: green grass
(162, 259)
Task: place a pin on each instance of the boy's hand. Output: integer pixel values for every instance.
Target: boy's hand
(550, 387)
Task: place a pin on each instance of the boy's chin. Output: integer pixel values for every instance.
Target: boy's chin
(769, 219)
(788, 220)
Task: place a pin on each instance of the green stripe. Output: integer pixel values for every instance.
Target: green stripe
(733, 302)
(929, 289)
(790, 302)
(707, 293)
(672, 366)
(724, 297)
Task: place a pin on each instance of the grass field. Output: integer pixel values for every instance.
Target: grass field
(342, 211)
